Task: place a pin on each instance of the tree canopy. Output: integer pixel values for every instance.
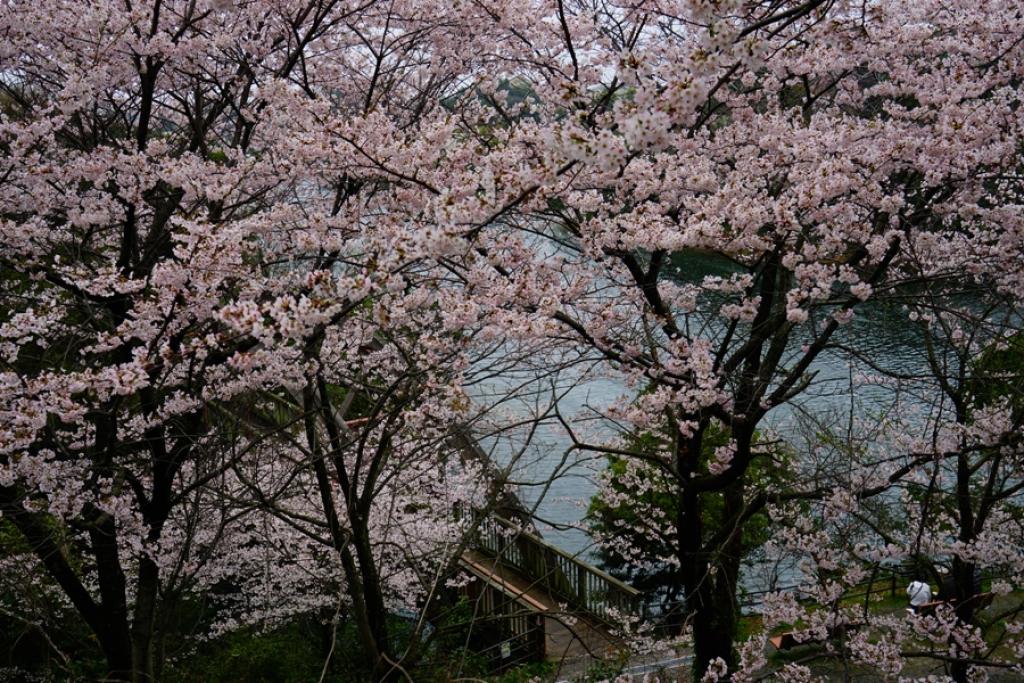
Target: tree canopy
(264, 262)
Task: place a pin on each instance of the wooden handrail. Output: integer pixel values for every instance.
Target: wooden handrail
(563, 576)
(591, 569)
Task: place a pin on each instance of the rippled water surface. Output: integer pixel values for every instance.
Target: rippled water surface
(561, 483)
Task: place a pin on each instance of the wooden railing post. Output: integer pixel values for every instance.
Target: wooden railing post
(544, 568)
(562, 575)
(539, 640)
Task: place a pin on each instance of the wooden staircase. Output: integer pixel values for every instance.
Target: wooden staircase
(535, 585)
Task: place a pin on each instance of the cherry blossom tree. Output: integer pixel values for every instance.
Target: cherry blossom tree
(955, 441)
(193, 223)
(230, 229)
(821, 152)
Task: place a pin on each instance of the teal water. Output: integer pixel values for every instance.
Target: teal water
(559, 481)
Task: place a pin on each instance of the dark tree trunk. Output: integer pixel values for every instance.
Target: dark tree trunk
(714, 623)
(115, 636)
(963, 584)
(143, 627)
(711, 577)
(368, 610)
(963, 572)
(375, 612)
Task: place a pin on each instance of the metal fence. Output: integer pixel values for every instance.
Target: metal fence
(889, 581)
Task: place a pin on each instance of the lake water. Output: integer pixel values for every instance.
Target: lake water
(560, 483)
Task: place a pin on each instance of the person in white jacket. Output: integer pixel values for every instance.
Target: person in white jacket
(920, 593)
